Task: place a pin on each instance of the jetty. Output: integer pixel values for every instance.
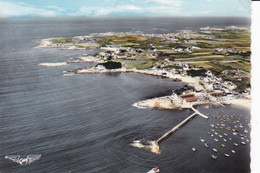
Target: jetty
(154, 147)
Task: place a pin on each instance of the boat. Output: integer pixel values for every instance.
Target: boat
(222, 145)
(216, 140)
(235, 144)
(194, 149)
(227, 155)
(225, 134)
(206, 145)
(243, 143)
(233, 151)
(214, 156)
(215, 150)
(154, 170)
(202, 140)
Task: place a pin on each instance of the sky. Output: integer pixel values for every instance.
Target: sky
(123, 8)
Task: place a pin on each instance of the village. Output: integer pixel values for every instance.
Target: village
(197, 58)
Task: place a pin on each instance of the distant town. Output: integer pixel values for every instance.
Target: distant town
(214, 62)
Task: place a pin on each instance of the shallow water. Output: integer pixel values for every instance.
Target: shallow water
(86, 123)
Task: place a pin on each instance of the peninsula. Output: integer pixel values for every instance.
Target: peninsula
(214, 62)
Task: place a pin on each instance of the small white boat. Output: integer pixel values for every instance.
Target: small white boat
(214, 156)
(235, 144)
(227, 155)
(194, 149)
(243, 143)
(154, 170)
(233, 151)
(202, 140)
(215, 150)
(216, 140)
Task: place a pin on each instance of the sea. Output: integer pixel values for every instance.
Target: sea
(86, 122)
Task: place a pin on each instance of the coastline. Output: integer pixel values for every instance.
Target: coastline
(184, 78)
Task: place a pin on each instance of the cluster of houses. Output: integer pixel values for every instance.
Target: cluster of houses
(229, 51)
(215, 89)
